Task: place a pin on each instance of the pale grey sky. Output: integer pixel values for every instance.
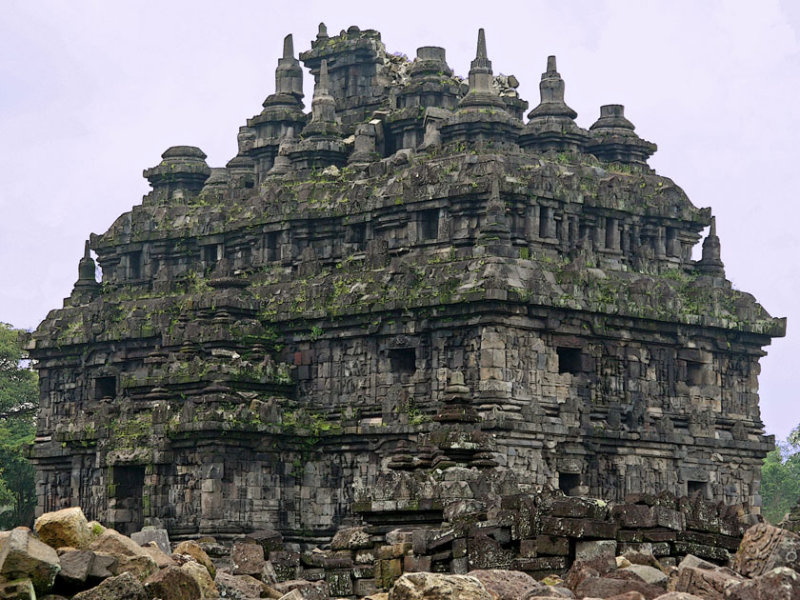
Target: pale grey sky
(91, 93)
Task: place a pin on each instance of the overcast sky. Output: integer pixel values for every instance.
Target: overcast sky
(92, 92)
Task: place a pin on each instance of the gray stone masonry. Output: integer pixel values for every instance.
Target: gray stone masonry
(406, 299)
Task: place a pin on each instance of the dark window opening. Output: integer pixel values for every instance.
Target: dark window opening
(545, 222)
(211, 254)
(135, 265)
(693, 487)
(128, 481)
(673, 245)
(105, 387)
(569, 360)
(271, 243)
(429, 224)
(403, 360)
(568, 483)
(127, 492)
(357, 234)
(249, 183)
(695, 373)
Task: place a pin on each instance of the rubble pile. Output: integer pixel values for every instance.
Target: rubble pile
(67, 556)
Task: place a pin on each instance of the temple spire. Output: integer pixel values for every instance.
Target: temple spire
(481, 53)
(551, 90)
(614, 138)
(711, 262)
(288, 46)
(551, 126)
(480, 69)
(321, 89)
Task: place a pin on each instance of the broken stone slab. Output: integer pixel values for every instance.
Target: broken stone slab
(125, 586)
(269, 539)
(66, 527)
(600, 554)
(193, 549)
(543, 590)
(76, 565)
(605, 587)
(200, 574)
(131, 557)
(103, 566)
(765, 547)
(579, 507)
(307, 590)
(503, 584)
(24, 557)
(172, 583)
(242, 587)
(438, 586)
(634, 516)
(781, 583)
(678, 596)
(162, 560)
(704, 579)
(648, 574)
(153, 534)
(247, 558)
(351, 538)
(19, 589)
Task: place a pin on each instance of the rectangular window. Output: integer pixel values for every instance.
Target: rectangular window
(357, 234)
(568, 483)
(403, 360)
(695, 487)
(135, 265)
(105, 387)
(271, 245)
(429, 224)
(569, 360)
(211, 254)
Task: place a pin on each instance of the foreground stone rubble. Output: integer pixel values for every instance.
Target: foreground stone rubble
(106, 565)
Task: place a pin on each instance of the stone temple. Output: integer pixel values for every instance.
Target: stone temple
(408, 295)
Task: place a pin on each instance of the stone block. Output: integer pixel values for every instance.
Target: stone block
(699, 577)
(552, 545)
(153, 534)
(387, 571)
(579, 528)
(247, 559)
(634, 516)
(578, 508)
(22, 556)
(438, 586)
(550, 564)
(75, 567)
(764, 548)
(596, 551)
(125, 586)
(781, 583)
(66, 527)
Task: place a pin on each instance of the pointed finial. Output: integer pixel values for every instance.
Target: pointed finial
(322, 32)
(712, 232)
(322, 85)
(86, 249)
(551, 65)
(481, 53)
(288, 46)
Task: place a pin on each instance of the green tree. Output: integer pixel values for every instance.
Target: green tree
(780, 478)
(19, 398)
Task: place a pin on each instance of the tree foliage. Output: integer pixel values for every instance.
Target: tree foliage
(780, 478)
(19, 398)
